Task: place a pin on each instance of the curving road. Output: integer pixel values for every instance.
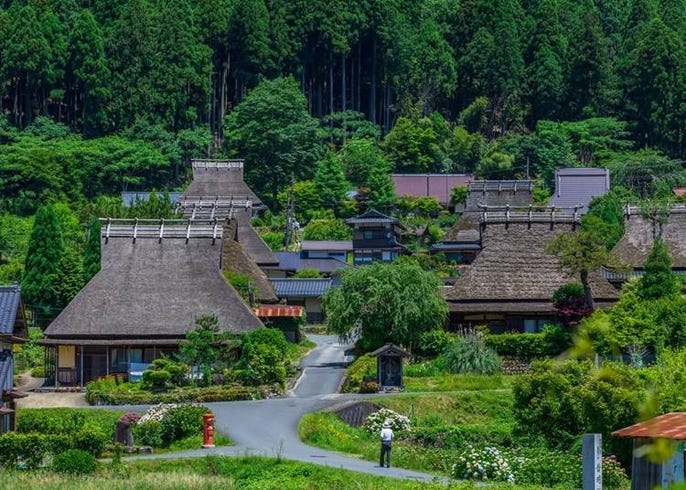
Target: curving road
(270, 427)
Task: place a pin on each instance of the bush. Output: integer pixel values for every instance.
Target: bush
(470, 355)
(30, 449)
(374, 422)
(363, 368)
(483, 464)
(156, 379)
(369, 387)
(92, 440)
(38, 372)
(180, 422)
(550, 469)
(527, 346)
(148, 433)
(74, 462)
(128, 395)
(430, 344)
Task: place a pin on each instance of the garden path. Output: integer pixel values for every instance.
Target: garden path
(270, 427)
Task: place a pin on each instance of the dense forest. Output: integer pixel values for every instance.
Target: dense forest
(321, 98)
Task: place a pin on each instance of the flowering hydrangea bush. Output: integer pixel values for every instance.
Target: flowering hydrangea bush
(375, 421)
(130, 418)
(483, 464)
(157, 412)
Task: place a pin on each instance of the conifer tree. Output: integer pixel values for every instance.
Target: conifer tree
(330, 180)
(69, 278)
(42, 261)
(659, 280)
(91, 255)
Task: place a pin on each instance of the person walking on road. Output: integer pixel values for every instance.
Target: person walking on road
(386, 438)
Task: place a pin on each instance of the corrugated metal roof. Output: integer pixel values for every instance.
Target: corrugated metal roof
(668, 426)
(291, 261)
(577, 186)
(296, 287)
(10, 298)
(439, 186)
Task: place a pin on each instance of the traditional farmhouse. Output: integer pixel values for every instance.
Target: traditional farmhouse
(575, 187)
(376, 237)
(439, 186)
(219, 191)
(326, 249)
(640, 230)
(304, 292)
(12, 332)
(510, 284)
(156, 278)
(462, 242)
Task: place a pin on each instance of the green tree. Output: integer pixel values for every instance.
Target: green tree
(45, 250)
(324, 226)
(359, 157)
(583, 252)
(659, 280)
(330, 181)
(91, 255)
(413, 146)
(381, 190)
(274, 132)
(69, 277)
(306, 199)
(202, 344)
(386, 302)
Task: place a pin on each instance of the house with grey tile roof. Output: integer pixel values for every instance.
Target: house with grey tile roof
(12, 331)
(156, 278)
(576, 187)
(304, 292)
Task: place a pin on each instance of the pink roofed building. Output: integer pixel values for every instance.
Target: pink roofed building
(439, 186)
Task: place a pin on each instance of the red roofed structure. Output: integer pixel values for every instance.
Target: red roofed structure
(668, 426)
(279, 311)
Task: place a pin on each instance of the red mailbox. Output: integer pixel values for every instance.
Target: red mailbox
(208, 430)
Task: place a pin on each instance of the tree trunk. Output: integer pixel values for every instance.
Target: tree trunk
(343, 101)
(330, 82)
(372, 85)
(588, 293)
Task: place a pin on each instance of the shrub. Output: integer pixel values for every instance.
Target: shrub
(30, 449)
(550, 469)
(65, 420)
(470, 355)
(180, 422)
(430, 344)
(550, 342)
(132, 396)
(157, 379)
(369, 387)
(148, 433)
(91, 440)
(483, 464)
(75, 462)
(614, 475)
(178, 371)
(38, 372)
(374, 422)
(364, 367)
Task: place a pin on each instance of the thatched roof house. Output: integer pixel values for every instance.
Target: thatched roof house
(156, 278)
(236, 260)
(640, 232)
(510, 284)
(219, 191)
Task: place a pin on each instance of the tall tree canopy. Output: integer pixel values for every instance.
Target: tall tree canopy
(386, 302)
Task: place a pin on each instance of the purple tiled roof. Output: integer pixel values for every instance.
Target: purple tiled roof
(577, 186)
(439, 186)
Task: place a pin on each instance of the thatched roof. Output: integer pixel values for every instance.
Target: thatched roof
(213, 178)
(251, 241)
(152, 288)
(235, 259)
(640, 233)
(513, 267)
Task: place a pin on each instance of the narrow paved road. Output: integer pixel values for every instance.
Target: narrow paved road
(270, 427)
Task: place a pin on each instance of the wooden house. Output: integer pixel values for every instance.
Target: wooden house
(293, 262)
(376, 237)
(12, 333)
(156, 278)
(510, 284)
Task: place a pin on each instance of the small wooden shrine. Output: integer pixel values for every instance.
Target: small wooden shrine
(389, 365)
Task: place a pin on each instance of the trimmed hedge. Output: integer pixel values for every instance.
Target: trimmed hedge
(30, 449)
(549, 343)
(178, 395)
(74, 462)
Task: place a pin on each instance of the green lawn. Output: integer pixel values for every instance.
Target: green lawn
(211, 472)
(456, 382)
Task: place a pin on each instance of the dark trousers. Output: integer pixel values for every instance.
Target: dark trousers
(385, 454)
